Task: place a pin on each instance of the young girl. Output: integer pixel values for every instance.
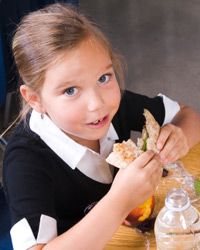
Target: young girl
(54, 165)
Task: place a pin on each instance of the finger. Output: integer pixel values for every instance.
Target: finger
(171, 148)
(126, 223)
(143, 159)
(155, 171)
(153, 174)
(154, 165)
(163, 136)
(174, 154)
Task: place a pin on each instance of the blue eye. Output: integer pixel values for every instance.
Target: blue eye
(71, 91)
(104, 78)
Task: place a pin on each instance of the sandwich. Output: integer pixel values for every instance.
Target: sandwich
(150, 133)
(127, 151)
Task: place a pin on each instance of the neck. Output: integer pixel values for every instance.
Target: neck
(92, 144)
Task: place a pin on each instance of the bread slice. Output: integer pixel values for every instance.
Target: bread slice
(124, 153)
(150, 133)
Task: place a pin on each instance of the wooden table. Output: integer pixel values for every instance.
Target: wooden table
(127, 238)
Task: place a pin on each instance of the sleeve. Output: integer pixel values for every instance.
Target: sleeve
(171, 108)
(29, 189)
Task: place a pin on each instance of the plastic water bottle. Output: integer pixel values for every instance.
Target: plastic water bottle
(177, 226)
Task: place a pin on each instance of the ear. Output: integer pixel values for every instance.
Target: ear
(31, 97)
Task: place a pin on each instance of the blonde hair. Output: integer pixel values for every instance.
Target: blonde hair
(45, 34)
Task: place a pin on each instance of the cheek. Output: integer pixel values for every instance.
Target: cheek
(68, 115)
(68, 120)
(61, 113)
(115, 97)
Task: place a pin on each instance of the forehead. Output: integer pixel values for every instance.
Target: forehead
(89, 54)
(86, 49)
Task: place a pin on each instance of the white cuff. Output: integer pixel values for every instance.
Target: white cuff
(22, 235)
(171, 108)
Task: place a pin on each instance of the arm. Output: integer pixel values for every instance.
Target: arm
(177, 137)
(98, 226)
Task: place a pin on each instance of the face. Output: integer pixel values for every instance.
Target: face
(81, 94)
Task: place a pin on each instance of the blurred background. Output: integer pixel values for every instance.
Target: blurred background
(160, 41)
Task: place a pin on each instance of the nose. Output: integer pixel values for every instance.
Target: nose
(95, 100)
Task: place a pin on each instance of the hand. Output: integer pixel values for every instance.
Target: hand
(172, 143)
(137, 182)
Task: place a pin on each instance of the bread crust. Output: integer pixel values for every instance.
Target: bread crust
(127, 151)
(150, 133)
(123, 154)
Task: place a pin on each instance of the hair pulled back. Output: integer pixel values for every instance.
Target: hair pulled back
(43, 35)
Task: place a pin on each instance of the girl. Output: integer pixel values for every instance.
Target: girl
(54, 165)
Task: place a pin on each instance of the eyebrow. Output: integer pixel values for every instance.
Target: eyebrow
(71, 83)
(109, 66)
(64, 84)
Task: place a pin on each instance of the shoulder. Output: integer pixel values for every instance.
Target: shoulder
(23, 140)
(25, 153)
(137, 102)
(130, 113)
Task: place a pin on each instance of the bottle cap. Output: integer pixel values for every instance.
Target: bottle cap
(177, 200)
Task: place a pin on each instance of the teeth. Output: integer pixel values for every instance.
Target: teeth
(97, 121)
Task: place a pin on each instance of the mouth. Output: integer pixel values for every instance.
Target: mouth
(99, 122)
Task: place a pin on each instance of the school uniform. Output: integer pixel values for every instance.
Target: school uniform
(51, 181)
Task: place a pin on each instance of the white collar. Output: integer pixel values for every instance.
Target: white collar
(67, 149)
